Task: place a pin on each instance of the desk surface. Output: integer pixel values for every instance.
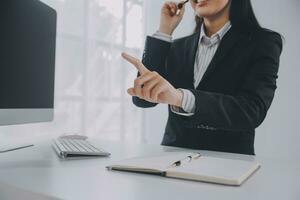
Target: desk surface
(39, 170)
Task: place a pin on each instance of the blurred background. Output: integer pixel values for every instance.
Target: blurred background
(92, 79)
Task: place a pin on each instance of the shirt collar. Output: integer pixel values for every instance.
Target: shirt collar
(215, 37)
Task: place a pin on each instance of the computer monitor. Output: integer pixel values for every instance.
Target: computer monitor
(27, 61)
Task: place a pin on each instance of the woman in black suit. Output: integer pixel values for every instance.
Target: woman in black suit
(218, 82)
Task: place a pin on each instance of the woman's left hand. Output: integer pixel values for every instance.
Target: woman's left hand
(151, 86)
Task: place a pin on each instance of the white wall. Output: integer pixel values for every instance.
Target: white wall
(279, 134)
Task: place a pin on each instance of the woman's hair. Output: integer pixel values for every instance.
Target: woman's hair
(241, 15)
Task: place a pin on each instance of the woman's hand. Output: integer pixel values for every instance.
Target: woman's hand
(152, 87)
(170, 18)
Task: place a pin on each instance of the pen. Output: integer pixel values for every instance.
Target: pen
(180, 5)
(188, 158)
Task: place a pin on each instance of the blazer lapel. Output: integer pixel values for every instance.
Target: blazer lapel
(229, 40)
(192, 46)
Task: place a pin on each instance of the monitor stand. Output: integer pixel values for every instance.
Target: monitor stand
(12, 147)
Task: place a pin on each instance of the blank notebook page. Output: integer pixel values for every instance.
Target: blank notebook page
(216, 167)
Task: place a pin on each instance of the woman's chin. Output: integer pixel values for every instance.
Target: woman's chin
(204, 14)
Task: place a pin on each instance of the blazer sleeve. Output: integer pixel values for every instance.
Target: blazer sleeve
(247, 109)
(154, 58)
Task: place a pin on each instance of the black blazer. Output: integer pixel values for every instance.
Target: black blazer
(233, 96)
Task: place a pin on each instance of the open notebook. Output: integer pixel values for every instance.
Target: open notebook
(191, 166)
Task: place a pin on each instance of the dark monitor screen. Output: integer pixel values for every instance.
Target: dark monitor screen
(27, 54)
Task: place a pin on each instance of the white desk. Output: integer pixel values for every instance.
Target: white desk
(38, 169)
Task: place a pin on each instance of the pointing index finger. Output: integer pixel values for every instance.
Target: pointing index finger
(136, 62)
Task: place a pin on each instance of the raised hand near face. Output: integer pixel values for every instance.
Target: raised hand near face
(170, 16)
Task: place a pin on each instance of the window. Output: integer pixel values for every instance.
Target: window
(91, 77)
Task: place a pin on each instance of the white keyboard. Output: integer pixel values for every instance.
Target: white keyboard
(66, 148)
